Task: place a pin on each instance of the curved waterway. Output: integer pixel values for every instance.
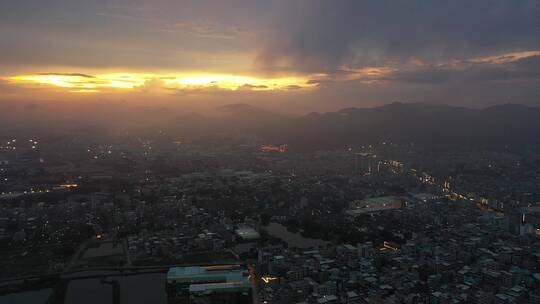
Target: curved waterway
(293, 239)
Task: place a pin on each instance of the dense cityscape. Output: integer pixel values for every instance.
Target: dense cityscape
(269, 152)
(385, 223)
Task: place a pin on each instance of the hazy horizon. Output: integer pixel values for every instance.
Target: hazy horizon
(307, 56)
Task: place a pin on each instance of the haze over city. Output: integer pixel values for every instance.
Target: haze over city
(269, 152)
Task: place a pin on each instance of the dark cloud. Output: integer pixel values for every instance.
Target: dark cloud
(68, 74)
(304, 35)
(323, 35)
(252, 87)
(424, 75)
(293, 87)
(525, 69)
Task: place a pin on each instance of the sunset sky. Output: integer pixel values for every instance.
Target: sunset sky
(296, 56)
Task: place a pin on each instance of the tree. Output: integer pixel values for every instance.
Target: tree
(265, 219)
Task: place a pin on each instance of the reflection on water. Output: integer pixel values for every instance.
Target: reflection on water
(143, 289)
(88, 291)
(103, 249)
(148, 288)
(134, 289)
(35, 296)
(293, 239)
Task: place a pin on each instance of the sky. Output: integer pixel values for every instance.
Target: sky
(289, 56)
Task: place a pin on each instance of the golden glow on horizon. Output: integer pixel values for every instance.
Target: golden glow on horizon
(171, 82)
(366, 75)
(492, 59)
(80, 83)
(505, 58)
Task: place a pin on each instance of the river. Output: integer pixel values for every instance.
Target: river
(146, 288)
(293, 239)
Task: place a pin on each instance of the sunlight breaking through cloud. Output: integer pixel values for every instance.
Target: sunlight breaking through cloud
(82, 83)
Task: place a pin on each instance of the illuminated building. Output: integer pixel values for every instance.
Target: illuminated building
(390, 246)
(212, 284)
(68, 186)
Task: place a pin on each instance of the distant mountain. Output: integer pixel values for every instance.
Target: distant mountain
(501, 125)
(233, 119)
(244, 112)
(238, 109)
(415, 122)
(508, 124)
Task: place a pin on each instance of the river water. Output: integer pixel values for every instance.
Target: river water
(134, 289)
(35, 296)
(292, 239)
(146, 288)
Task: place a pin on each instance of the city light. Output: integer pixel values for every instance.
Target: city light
(268, 279)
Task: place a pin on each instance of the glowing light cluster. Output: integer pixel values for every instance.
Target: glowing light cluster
(268, 279)
(81, 83)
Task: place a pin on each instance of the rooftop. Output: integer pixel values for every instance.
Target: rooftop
(207, 274)
(247, 233)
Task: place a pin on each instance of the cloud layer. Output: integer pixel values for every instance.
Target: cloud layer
(324, 35)
(356, 52)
